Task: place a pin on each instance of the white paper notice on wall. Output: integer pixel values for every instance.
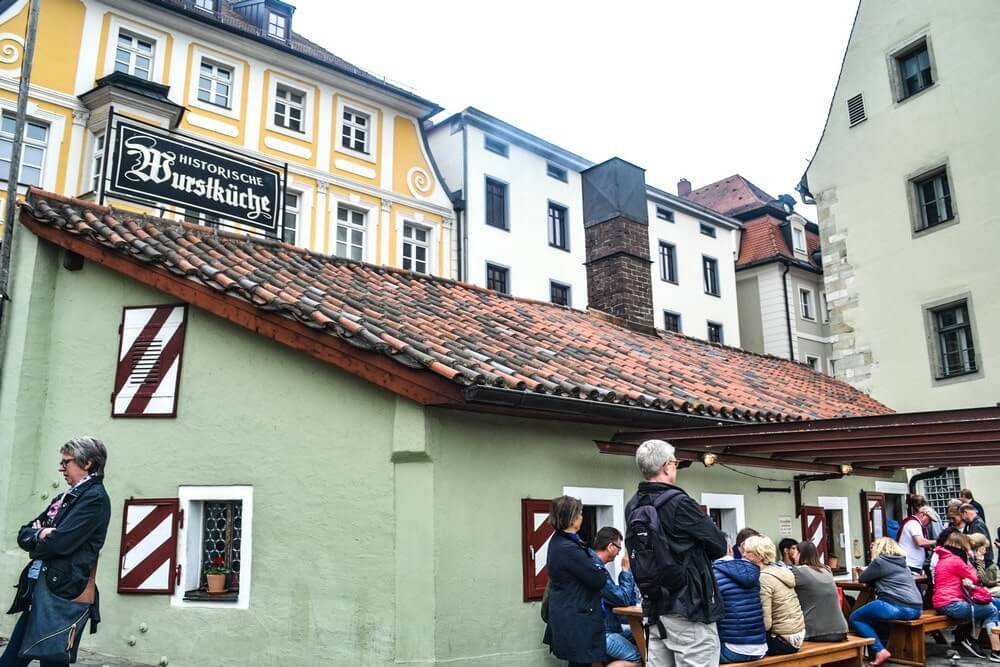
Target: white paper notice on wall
(785, 526)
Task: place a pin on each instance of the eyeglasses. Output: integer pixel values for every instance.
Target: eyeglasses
(65, 462)
(616, 546)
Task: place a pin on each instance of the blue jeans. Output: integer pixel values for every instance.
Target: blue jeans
(9, 657)
(725, 655)
(618, 647)
(984, 615)
(863, 619)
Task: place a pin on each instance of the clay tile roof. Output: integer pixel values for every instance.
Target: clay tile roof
(731, 196)
(465, 334)
(762, 240)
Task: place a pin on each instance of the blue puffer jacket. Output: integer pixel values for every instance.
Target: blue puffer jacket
(739, 583)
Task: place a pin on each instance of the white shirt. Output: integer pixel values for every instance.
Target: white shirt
(908, 541)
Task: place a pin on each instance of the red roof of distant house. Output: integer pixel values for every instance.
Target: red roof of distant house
(762, 240)
(457, 334)
(731, 196)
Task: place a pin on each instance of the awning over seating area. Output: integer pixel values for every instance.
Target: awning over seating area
(872, 446)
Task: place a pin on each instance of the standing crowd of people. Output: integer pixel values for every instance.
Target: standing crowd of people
(708, 602)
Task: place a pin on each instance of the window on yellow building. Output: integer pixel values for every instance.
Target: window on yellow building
(215, 84)
(290, 223)
(416, 247)
(350, 233)
(97, 164)
(36, 136)
(134, 55)
(355, 131)
(289, 105)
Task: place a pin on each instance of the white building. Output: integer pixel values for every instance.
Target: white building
(904, 178)
(519, 207)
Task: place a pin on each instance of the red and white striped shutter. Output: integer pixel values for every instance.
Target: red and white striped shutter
(535, 534)
(149, 361)
(814, 529)
(148, 561)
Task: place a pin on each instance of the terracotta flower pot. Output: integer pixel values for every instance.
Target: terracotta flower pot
(216, 583)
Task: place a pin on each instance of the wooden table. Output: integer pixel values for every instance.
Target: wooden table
(865, 593)
(634, 616)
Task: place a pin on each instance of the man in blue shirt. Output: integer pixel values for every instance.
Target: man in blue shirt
(621, 648)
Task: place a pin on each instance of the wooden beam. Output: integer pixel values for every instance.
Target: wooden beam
(421, 386)
(896, 453)
(628, 449)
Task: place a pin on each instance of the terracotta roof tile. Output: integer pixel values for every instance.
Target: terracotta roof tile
(467, 334)
(762, 240)
(731, 196)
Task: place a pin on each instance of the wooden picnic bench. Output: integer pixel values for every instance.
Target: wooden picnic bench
(907, 639)
(850, 653)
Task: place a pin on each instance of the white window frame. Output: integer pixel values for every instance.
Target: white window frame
(57, 125)
(727, 501)
(43, 146)
(235, 87)
(798, 233)
(158, 37)
(807, 306)
(134, 53)
(281, 24)
(307, 91)
(297, 210)
(189, 536)
(834, 503)
(344, 104)
(97, 151)
(199, 4)
(611, 510)
(431, 237)
(369, 213)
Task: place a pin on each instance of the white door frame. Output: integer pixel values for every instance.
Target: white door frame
(613, 498)
(840, 503)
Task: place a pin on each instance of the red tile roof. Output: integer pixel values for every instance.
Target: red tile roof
(731, 196)
(762, 240)
(462, 334)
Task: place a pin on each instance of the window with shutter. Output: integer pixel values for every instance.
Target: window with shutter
(535, 534)
(148, 558)
(149, 361)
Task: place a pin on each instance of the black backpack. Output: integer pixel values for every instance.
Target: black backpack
(654, 564)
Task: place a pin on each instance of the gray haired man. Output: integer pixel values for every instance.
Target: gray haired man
(682, 620)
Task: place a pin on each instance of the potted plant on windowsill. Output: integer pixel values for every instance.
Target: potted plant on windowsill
(215, 575)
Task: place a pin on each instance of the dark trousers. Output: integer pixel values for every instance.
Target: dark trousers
(775, 646)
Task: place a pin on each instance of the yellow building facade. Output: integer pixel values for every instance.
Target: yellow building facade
(234, 74)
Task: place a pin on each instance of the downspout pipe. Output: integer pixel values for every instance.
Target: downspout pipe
(788, 315)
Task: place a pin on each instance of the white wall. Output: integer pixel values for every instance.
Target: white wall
(525, 246)
(688, 296)
(446, 151)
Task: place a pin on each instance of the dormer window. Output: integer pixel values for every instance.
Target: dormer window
(799, 239)
(277, 26)
(205, 5)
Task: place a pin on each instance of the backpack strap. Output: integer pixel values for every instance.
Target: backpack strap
(908, 519)
(666, 497)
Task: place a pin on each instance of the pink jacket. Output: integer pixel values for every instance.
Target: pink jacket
(948, 577)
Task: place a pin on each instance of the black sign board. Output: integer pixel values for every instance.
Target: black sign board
(151, 165)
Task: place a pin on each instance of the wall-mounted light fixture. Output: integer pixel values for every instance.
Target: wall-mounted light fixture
(709, 459)
(846, 468)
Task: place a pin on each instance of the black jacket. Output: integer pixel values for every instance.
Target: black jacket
(979, 526)
(70, 552)
(696, 542)
(575, 631)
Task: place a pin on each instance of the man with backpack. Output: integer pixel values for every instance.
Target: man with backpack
(671, 544)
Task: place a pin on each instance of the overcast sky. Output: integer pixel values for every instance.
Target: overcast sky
(697, 88)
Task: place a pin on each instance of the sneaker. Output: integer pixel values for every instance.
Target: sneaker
(970, 646)
(994, 656)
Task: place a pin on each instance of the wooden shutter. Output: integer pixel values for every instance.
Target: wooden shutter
(148, 560)
(535, 534)
(814, 529)
(149, 361)
(873, 524)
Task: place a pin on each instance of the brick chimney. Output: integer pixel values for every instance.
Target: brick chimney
(683, 187)
(616, 231)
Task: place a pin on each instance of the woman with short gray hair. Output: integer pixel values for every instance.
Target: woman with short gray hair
(56, 593)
